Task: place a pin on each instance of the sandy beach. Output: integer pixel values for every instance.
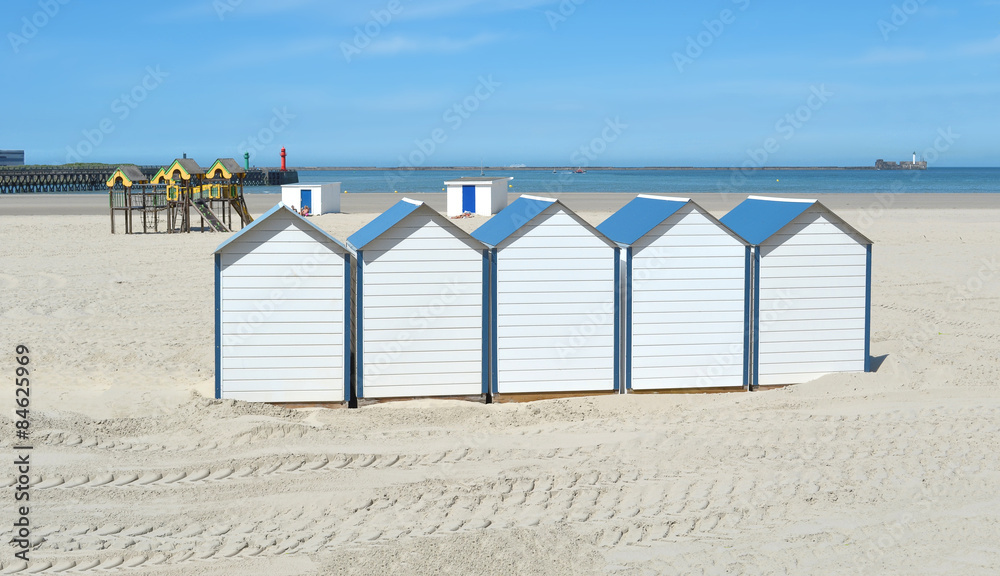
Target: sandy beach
(136, 467)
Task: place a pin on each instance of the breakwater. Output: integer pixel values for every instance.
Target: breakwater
(27, 180)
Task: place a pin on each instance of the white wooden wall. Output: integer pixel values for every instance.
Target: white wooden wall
(812, 301)
(282, 301)
(498, 196)
(422, 298)
(453, 196)
(555, 308)
(688, 305)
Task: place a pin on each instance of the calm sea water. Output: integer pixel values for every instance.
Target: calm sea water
(980, 180)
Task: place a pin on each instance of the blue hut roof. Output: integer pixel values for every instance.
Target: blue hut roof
(277, 208)
(758, 218)
(639, 216)
(510, 219)
(394, 215)
(383, 222)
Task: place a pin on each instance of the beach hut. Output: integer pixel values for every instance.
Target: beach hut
(478, 195)
(282, 303)
(320, 198)
(420, 306)
(555, 301)
(687, 313)
(811, 290)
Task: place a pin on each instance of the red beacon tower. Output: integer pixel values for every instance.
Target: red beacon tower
(282, 158)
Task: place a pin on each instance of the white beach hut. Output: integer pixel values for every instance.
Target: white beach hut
(555, 302)
(686, 286)
(282, 302)
(811, 289)
(421, 303)
(320, 198)
(478, 195)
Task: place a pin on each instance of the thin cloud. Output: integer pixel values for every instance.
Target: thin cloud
(445, 8)
(273, 51)
(983, 48)
(402, 45)
(891, 56)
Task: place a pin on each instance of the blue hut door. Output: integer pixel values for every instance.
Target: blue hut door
(468, 198)
(306, 200)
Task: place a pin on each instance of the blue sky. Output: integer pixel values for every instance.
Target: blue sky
(459, 82)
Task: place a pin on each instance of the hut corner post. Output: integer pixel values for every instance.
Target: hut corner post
(627, 387)
(218, 326)
(868, 309)
(747, 334)
(486, 327)
(347, 328)
(359, 353)
(754, 384)
(618, 321)
(495, 376)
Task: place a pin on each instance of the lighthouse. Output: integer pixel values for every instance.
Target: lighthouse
(914, 157)
(283, 158)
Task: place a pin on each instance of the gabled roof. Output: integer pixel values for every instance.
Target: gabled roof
(635, 219)
(161, 173)
(187, 165)
(394, 215)
(644, 213)
(229, 166)
(759, 217)
(130, 174)
(520, 212)
(283, 209)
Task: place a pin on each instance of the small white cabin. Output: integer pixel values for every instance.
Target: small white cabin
(320, 198)
(478, 195)
(811, 289)
(282, 313)
(686, 286)
(555, 301)
(421, 306)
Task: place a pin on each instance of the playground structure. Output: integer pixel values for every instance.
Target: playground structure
(214, 194)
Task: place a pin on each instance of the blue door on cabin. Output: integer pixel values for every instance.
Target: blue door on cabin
(468, 198)
(306, 200)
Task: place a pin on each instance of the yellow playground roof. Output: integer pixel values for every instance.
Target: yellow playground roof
(160, 177)
(225, 168)
(127, 174)
(185, 168)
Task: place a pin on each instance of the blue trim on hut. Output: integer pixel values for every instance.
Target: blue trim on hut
(868, 308)
(218, 325)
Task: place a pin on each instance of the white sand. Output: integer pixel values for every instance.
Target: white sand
(136, 466)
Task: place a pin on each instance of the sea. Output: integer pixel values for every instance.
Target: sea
(676, 182)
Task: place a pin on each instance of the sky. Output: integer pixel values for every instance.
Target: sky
(502, 82)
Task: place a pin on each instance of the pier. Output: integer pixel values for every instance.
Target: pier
(18, 180)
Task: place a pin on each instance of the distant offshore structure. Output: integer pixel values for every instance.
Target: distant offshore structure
(904, 165)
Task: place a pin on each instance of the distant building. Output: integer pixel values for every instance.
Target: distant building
(904, 165)
(11, 157)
